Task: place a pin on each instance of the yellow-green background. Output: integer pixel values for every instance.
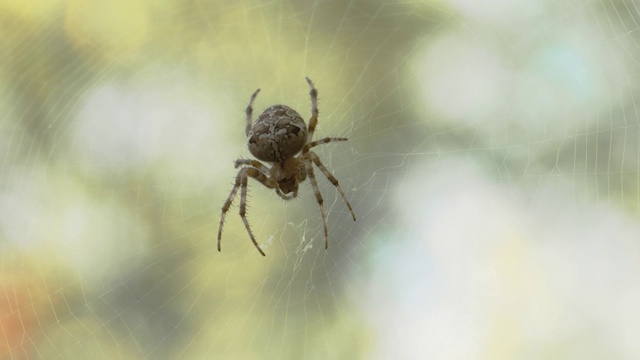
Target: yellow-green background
(493, 164)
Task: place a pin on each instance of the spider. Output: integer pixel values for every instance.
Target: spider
(277, 136)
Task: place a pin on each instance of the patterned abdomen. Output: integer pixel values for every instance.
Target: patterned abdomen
(278, 134)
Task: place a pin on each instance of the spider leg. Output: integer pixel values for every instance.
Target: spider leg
(227, 204)
(249, 112)
(243, 210)
(316, 160)
(314, 109)
(308, 146)
(241, 183)
(265, 170)
(254, 163)
(316, 191)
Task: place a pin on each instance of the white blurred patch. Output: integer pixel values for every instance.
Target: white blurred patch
(25, 196)
(533, 84)
(163, 116)
(499, 12)
(50, 216)
(463, 80)
(480, 274)
(98, 239)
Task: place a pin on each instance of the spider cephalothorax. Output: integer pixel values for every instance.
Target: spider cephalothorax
(277, 136)
(288, 174)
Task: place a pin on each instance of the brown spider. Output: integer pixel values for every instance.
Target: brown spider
(277, 136)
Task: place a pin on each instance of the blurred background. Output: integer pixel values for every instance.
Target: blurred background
(493, 165)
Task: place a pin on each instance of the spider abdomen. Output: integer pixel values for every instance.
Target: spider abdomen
(278, 134)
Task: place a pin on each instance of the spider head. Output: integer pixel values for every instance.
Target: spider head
(288, 174)
(288, 185)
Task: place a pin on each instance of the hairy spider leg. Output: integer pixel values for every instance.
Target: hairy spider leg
(241, 183)
(249, 112)
(314, 110)
(243, 212)
(255, 163)
(316, 191)
(316, 160)
(265, 170)
(308, 146)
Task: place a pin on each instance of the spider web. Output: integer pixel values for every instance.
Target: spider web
(493, 166)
